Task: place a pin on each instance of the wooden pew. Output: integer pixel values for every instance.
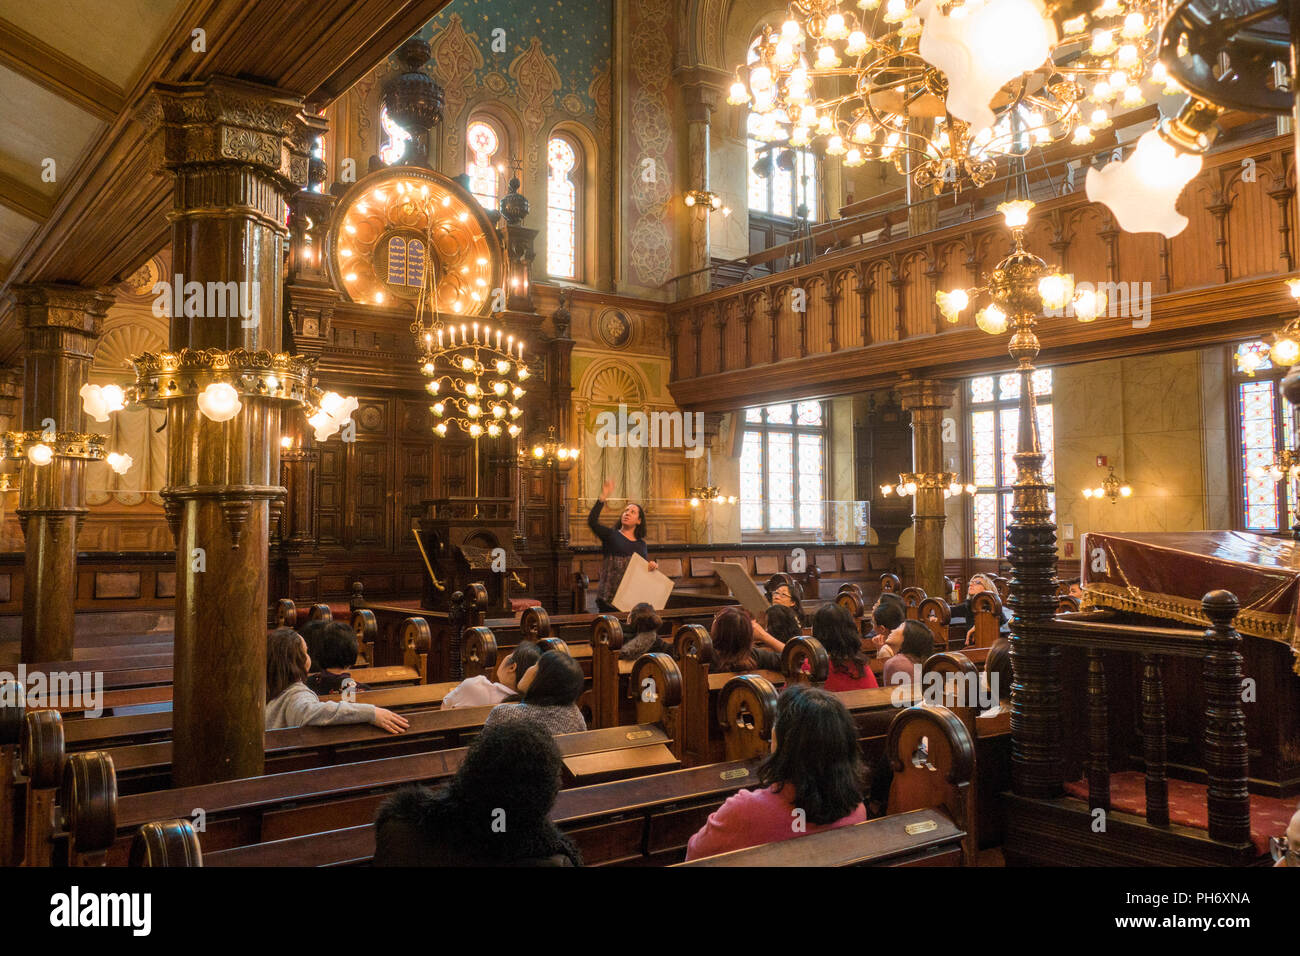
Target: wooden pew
(11, 728)
(645, 819)
(101, 825)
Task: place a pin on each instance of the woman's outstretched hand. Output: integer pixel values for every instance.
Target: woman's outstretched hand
(606, 488)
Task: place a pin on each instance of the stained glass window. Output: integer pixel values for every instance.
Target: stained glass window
(1265, 424)
(783, 469)
(561, 208)
(482, 145)
(396, 139)
(994, 436)
(790, 178)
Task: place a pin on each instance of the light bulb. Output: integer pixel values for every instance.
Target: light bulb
(514, 431)
(1125, 491)
(885, 490)
(499, 387)
(475, 430)
(498, 411)
(1285, 351)
(1016, 212)
(538, 451)
(1293, 286)
(910, 487)
(494, 430)
(1249, 362)
(515, 411)
(517, 392)
(695, 502)
(432, 388)
(1055, 290)
(471, 389)
(467, 364)
(1088, 304)
(522, 373)
(219, 402)
(440, 429)
(331, 402)
(1087, 492)
(1135, 26)
(286, 442)
(438, 408)
(473, 410)
(952, 303)
(1083, 135)
(857, 44)
(738, 95)
(502, 366)
(1103, 42)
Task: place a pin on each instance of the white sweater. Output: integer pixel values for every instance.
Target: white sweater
(299, 707)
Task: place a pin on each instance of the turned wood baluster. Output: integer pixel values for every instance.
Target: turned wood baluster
(1098, 734)
(1226, 760)
(1154, 742)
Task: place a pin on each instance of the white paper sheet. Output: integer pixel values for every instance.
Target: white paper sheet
(640, 584)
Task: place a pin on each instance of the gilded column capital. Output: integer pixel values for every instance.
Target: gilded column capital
(227, 120)
(52, 305)
(917, 394)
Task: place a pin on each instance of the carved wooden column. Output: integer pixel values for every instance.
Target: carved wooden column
(927, 399)
(236, 151)
(60, 325)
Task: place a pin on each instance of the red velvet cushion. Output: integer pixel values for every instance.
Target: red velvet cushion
(517, 605)
(1269, 816)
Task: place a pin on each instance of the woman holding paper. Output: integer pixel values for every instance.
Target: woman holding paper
(618, 545)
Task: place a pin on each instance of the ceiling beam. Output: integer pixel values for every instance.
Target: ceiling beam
(23, 199)
(59, 73)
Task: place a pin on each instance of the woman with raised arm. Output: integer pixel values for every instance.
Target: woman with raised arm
(618, 545)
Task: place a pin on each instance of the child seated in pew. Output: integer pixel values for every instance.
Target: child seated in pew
(289, 702)
(783, 623)
(887, 616)
(811, 782)
(733, 633)
(313, 632)
(482, 691)
(495, 812)
(550, 690)
(338, 653)
(997, 677)
(834, 628)
(644, 623)
(915, 644)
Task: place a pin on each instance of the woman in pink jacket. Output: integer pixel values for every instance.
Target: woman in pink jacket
(811, 782)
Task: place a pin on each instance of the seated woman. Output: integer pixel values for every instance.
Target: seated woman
(811, 782)
(482, 691)
(289, 702)
(495, 812)
(997, 678)
(834, 627)
(550, 690)
(887, 617)
(338, 653)
(782, 597)
(915, 644)
(644, 623)
(733, 633)
(783, 623)
(962, 612)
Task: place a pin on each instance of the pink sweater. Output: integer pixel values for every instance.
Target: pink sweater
(755, 817)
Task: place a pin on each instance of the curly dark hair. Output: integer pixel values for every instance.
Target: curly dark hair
(338, 646)
(918, 641)
(558, 682)
(834, 628)
(643, 618)
(783, 622)
(495, 811)
(889, 611)
(816, 753)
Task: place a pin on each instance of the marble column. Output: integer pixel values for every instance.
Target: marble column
(236, 151)
(703, 92)
(927, 399)
(60, 326)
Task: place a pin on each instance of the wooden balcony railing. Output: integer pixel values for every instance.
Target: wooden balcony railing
(868, 311)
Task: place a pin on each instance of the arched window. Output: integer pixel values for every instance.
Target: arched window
(483, 145)
(396, 138)
(781, 178)
(563, 187)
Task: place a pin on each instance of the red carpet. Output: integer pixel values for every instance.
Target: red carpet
(1269, 816)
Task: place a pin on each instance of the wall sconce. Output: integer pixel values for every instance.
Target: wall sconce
(1111, 488)
(702, 197)
(709, 493)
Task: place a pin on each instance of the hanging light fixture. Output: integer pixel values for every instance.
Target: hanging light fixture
(909, 483)
(1285, 350)
(551, 453)
(1111, 487)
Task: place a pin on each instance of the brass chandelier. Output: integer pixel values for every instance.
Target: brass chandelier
(943, 89)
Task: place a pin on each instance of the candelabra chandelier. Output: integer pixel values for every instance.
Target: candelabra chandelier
(1286, 464)
(910, 482)
(1285, 350)
(474, 370)
(1021, 286)
(552, 453)
(708, 494)
(939, 97)
(1111, 487)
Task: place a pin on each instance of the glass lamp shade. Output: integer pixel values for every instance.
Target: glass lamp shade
(1293, 285)
(100, 401)
(991, 319)
(1142, 191)
(219, 402)
(952, 303)
(41, 454)
(1056, 290)
(1016, 212)
(121, 464)
(983, 49)
(1285, 351)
